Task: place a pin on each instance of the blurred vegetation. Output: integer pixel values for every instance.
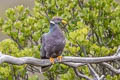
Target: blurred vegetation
(93, 26)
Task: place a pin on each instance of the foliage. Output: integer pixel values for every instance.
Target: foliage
(93, 30)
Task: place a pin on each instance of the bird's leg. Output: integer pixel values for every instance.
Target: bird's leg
(52, 60)
(59, 58)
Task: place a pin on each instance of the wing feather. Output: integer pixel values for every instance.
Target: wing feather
(43, 51)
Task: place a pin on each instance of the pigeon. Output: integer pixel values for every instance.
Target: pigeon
(53, 42)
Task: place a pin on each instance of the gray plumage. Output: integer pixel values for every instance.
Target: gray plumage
(53, 42)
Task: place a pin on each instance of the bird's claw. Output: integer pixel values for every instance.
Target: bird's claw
(52, 60)
(59, 58)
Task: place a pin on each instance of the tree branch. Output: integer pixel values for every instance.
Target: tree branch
(73, 62)
(117, 71)
(45, 62)
(81, 75)
(93, 72)
(23, 60)
(75, 65)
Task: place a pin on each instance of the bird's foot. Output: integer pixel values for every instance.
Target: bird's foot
(52, 60)
(59, 58)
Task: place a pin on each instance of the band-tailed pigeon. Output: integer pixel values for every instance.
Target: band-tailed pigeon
(53, 42)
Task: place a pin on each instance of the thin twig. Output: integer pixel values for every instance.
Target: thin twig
(81, 75)
(93, 73)
(117, 71)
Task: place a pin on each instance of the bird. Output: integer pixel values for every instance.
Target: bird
(53, 42)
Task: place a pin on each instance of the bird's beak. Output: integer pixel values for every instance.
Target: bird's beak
(64, 22)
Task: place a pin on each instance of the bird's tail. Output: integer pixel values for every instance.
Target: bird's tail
(45, 68)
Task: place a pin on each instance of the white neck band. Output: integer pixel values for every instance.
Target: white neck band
(52, 22)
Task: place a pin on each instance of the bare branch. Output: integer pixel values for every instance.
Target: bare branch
(90, 59)
(73, 62)
(33, 68)
(117, 52)
(75, 65)
(102, 77)
(45, 62)
(94, 74)
(117, 71)
(23, 60)
(81, 75)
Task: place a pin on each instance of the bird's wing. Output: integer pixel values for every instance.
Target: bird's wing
(42, 50)
(54, 46)
(47, 45)
(60, 44)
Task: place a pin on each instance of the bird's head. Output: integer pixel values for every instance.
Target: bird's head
(57, 20)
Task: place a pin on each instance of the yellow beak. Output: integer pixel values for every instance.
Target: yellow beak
(64, 22)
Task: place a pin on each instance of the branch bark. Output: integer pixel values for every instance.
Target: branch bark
(81, 75)
(93, 72)
(73, 62)
(45, 62)
(110, 67)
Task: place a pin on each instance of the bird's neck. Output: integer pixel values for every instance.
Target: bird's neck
(53, 27)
